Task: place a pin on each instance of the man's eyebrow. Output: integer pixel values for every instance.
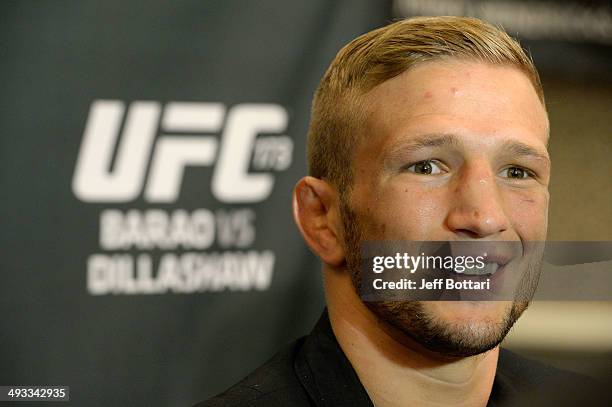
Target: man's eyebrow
(511, 147)
(429, 140)
(518, 149)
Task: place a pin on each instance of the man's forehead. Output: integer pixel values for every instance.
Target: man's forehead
(429, 78)
(471, 93)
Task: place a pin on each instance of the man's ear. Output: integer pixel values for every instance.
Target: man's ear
(317, 214)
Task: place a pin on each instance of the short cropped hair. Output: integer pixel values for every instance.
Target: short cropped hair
(377, 56)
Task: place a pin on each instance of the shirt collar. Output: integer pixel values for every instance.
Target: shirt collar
(326, 373)
(330, 380)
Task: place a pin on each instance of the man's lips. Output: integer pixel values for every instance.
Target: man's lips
(485, 257)
(494, 255)
(488, 269)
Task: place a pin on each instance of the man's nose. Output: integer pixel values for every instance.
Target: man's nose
(476, 209)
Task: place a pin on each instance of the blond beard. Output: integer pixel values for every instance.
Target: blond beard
(412, 319)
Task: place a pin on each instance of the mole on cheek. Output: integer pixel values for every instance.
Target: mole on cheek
(428, 95)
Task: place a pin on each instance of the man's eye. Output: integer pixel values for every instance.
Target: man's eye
(516, 173)
(425, 168)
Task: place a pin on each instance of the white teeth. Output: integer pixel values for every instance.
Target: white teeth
(489, 268)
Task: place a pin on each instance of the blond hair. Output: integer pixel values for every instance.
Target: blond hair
(382, 54)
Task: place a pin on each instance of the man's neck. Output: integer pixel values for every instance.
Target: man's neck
(396, 371)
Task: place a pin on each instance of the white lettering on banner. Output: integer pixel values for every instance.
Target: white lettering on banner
(92, 181)
(185, 273)
(99, 178)
(231, 182)
(273, 152)
(143, 151)
(159, 229)
(171, 156)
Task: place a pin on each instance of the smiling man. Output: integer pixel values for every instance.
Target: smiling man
(429, 129)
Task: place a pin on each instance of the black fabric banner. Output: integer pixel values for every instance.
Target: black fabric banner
(148, 153)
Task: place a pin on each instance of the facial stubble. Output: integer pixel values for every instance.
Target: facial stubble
(413, 318)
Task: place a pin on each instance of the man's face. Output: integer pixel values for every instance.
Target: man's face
(451, 151)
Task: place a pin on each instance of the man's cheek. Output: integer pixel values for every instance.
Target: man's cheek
(528, 212)
(413, 215)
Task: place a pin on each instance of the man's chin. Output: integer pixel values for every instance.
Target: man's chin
(468, 312)
(452, 328)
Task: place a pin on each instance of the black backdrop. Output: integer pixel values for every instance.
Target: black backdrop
(78, 307)
(137, 286)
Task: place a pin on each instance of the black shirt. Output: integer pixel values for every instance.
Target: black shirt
(313, 371)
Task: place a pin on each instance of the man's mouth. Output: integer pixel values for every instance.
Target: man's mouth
(487, 258)
(489, 269)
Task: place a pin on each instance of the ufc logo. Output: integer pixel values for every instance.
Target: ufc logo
(95, 181)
